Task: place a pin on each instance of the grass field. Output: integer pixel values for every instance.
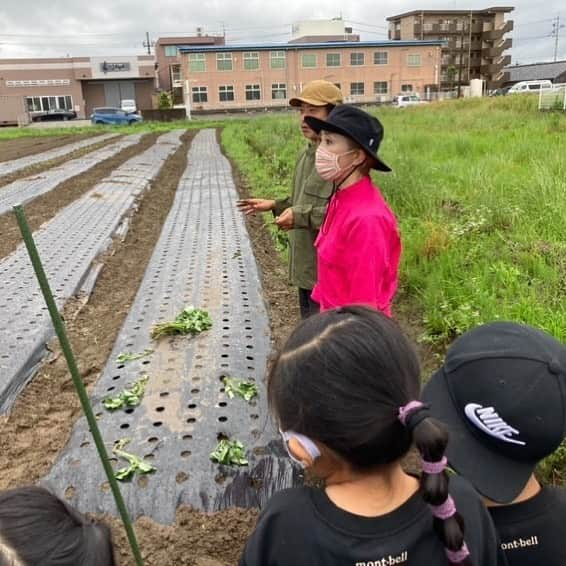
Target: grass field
(479, 188)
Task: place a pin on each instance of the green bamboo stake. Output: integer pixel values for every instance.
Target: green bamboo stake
(77, 380)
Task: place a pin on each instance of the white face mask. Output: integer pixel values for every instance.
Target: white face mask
(327, 164)
(306, 443)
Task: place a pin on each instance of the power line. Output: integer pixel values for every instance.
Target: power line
(367, 25)
(547, 36)
(535, 22)
(380, 33)
(58, 35)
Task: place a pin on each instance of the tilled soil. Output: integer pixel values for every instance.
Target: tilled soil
(42, 417)
(44, 165)
(46, 206)
(20, 147)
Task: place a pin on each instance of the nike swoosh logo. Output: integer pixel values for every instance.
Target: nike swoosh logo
(488, 421)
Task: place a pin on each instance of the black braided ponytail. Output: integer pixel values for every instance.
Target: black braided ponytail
(431, 438)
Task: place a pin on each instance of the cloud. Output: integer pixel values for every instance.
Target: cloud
(69, 27)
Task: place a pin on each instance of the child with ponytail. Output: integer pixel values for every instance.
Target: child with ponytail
(344, 391)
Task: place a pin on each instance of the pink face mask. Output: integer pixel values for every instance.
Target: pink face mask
(327, 164)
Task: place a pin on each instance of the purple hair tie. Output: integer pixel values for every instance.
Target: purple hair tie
(410, 407)
(444, 511)
(456, 556)
(434, 467)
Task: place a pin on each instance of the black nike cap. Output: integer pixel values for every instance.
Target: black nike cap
(502, 394)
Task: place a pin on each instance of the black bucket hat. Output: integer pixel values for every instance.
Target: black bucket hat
(349, 121)
(502, 394)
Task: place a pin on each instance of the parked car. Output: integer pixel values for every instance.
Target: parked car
(128, 106)
(530, 86)
(113, 116)
(404, 100)
(57, 114)
(500, 91)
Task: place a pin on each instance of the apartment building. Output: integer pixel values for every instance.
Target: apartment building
(476, 41)
(230, 77)
(74, 83)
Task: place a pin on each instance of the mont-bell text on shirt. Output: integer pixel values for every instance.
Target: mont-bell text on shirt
(387, 560)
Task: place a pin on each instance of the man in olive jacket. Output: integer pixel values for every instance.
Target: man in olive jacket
(302, 213)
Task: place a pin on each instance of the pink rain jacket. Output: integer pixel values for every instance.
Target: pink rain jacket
(358, 250)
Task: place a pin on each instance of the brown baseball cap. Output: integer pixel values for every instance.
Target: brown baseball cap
(318, 93)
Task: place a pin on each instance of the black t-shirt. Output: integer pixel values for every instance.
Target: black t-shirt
(302, 527)
(533, 532)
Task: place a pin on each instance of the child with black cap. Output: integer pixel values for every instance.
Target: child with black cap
(502, 394)
(358, 246)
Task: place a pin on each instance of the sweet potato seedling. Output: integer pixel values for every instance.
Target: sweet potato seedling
(129, 397)
(130, 357)
(189, 321)
(135, 463)
(229, 453)
(244, 388)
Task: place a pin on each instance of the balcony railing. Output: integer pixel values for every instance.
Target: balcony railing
(494, 68)
(497, 50)
(498, 33)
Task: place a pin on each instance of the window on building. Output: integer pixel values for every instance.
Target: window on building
(380, 58)
(226, 93)
(278, 91)
(380, 87)
(253, 92)
(175, 71)
(46, 103)
(200, 94)
(251, 61)
(197, 62)
(333, 60)
(337, 85)
(170, 51)
(406, 88)
(31, 103)
(356, 59)
(308, 60)
(414, 60)
(224, 61)
(356, 88)
(428, 26)
(277, 59)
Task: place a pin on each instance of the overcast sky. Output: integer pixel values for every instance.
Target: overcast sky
(117, 27)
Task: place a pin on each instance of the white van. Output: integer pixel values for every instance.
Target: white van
(128, 106)
(530, 86)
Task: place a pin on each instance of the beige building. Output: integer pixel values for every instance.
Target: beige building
(230, 77)
(476, 41)
(74, 83)
(168, 61)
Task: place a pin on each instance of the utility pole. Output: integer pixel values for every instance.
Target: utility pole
(147, 43)
(556, 27)
(461, 62)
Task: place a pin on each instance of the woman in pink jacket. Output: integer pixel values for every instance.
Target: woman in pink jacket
(358, 246)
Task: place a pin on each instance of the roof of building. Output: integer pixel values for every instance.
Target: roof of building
(485, 11)
(192, 40)
(349, 37)
(536, 71)
(319, 45)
